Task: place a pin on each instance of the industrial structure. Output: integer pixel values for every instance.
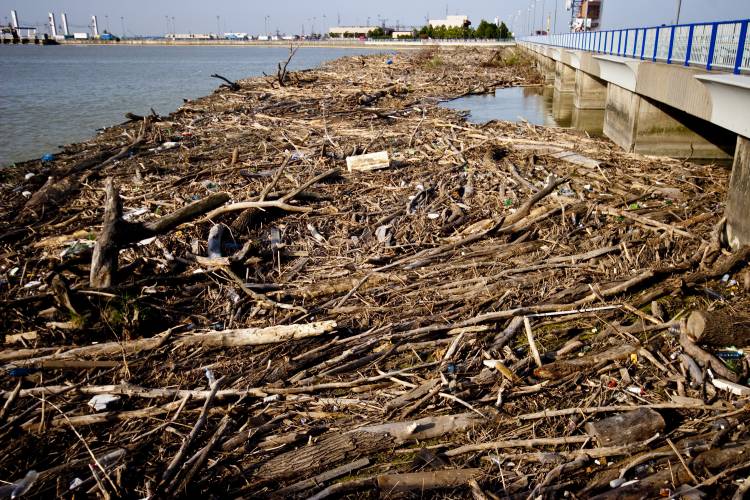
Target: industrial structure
(450, 22)
(16, 33)
(586, 15)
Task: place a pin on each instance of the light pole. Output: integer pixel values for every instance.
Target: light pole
(166, 19)
(679, 8)
(533, 19)
(218, 26)
(174, 28)
(106, 21)
(122, 23)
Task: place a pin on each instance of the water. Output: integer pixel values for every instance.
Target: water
(539, 105)
(52, 96)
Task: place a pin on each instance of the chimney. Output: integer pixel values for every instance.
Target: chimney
(14, 18)
(94, 27)
(52, 25)
(66, 31)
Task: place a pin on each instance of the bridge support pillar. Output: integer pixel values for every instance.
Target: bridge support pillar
(591, 92)
(565, 78)
(640, 125)
(738, 204)
(546, 66)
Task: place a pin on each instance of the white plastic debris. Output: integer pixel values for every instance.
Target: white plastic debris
(101, 401)
(28, 176)
(166, 146)
(726, 385)
(26, 194)
(132, 214)
(371, 161)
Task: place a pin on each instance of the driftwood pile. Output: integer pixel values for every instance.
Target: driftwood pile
(213, 303)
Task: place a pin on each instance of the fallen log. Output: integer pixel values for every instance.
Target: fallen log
(626, 428)
(719, 328)
(427, 480)
(336, 447)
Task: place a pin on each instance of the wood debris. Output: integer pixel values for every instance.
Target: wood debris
(259, 320)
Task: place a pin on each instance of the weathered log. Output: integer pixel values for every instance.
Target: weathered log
(335, 447)
(719, 328)
(559, 369)
(427, 480)
(411, 395)
(224, 338)
(626, 428)
(706, 359)
(104, 260)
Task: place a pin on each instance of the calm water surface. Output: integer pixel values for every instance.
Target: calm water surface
(51, 96)
(537, 105)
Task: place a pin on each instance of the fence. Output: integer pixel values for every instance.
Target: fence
(721, 45)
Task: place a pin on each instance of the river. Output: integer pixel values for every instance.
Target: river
(56, 95)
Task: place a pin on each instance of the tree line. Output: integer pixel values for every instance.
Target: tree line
(485, 31)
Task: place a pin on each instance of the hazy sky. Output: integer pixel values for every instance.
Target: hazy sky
(199, 16)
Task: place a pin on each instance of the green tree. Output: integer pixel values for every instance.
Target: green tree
(376, 33)
(487, 30)
(503, 31)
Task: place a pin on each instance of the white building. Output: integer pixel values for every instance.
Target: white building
(189, 36)
(449, 22)
(402, 34)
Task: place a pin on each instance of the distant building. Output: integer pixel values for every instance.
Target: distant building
(81, 36)
(189, 36)
(587, 14)
(350, 31)
(236, 36)
(403, 34)
(450, 22)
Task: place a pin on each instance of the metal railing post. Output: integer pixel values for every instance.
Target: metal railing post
(671, 45)
(656, 43)
(643, 44)
(741, 48)
(689, 50)
(712, 46)
(625, 45)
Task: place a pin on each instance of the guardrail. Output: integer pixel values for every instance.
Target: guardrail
(720, 45)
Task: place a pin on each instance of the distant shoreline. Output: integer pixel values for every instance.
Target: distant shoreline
(285, 43)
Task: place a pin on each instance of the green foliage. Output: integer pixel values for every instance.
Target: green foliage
(503, 31)
(485, 31)
(376, 33)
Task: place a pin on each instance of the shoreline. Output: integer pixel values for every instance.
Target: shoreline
(311, 44)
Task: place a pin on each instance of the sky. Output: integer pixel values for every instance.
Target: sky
(155, 17)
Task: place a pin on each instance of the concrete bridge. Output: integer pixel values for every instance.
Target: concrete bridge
(680, 91)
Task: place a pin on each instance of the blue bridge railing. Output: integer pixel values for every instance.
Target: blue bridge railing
(715, 46)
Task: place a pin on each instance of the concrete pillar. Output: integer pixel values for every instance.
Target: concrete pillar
(545, 66)
(738, 203)
(638, 124)
(591, 92)
(565, 78)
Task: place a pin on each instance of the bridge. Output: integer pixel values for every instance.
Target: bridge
(680, 90)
